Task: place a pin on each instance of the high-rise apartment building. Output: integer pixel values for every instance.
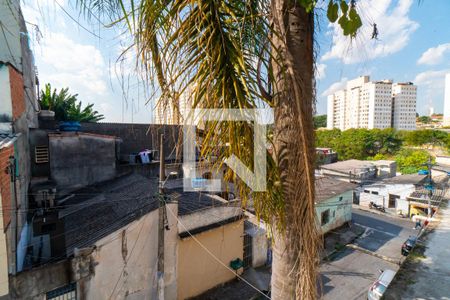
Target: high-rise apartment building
(404, 97)
(373, 104)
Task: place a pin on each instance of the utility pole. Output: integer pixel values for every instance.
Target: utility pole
(161, 201)
(429, 186)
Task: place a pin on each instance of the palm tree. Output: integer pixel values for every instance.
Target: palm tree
(66, 107)
(245, 54)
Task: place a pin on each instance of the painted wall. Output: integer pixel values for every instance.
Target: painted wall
(77, 159)
(204, 218)
(198, 271)
(402, 190)
(259, 243)
(4, 286)
(340, 211)
(5, 99)
(125, 262)
(10, 50)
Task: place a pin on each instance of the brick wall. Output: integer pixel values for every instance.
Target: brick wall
(17, 93)
(5, 183)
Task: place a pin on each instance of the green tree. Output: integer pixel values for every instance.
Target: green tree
(410, 161)
(320, 121)
(210, 48)
(66, 106)
(425, 136)
(424, 119)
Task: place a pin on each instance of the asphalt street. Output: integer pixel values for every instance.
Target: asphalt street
(350, 274)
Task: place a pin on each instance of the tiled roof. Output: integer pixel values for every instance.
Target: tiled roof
(190, 202)
(327, 188)
(99, 210)
(406, 179)
(6, 139)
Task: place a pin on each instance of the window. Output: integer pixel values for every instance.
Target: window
(41, 154)
(325, 217)
(68, 292)
(374, 192)
(341, 198)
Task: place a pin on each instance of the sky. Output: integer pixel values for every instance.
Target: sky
(413, 45)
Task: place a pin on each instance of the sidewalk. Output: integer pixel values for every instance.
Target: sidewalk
(426, 275)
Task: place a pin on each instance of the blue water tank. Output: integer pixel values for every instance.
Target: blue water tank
(70, 126)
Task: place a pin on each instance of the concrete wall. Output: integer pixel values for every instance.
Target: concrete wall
(259, 243)
(138, 137)
(402, 190)
(9, 41)
(35, 283)
(79, 159)
(125, 262)
(198, 271)
(340, 211)
(5, 192)
(207, 217)
(443, 160)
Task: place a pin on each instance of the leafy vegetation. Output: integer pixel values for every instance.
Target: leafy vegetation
(67, 107)
(377, 144)
(410, 161)
(320, 121)
(211, 47)
(360, 143)
(424, 119)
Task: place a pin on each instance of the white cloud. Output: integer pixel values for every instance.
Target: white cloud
(394, 28)
(434, 55)
(320, 71)
(335, 87)
(431, 88)
(66, 63)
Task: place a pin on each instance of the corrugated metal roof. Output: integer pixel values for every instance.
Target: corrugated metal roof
(6, 139)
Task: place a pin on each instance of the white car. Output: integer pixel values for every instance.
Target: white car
(378, 288)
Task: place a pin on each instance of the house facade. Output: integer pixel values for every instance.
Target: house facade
(18, 113)
(392, 193)
(334, 199)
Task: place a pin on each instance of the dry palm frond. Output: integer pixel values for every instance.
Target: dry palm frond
(215, 51)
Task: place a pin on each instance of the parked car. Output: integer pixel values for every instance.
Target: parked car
(408, 245)
(378, 288)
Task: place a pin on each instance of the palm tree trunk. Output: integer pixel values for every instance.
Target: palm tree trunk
(295, 252)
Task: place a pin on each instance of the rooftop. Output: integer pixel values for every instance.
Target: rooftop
(6, 139)
(406, 179)
(191, 202)
(347, 166)
(98, 210)
(327, 188)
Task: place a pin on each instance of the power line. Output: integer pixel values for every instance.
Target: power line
(79, 24)
(126, 260)
(215, 257)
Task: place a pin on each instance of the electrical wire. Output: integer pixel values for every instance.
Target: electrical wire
(215, 257)
(79, 24)
(127, 259)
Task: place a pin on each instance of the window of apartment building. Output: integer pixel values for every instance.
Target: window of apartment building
(325, 217)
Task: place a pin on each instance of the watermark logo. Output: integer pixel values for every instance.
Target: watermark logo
(256, 180)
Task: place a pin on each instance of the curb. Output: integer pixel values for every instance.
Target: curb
(376, 212)
(383, 257)
(327, 257)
